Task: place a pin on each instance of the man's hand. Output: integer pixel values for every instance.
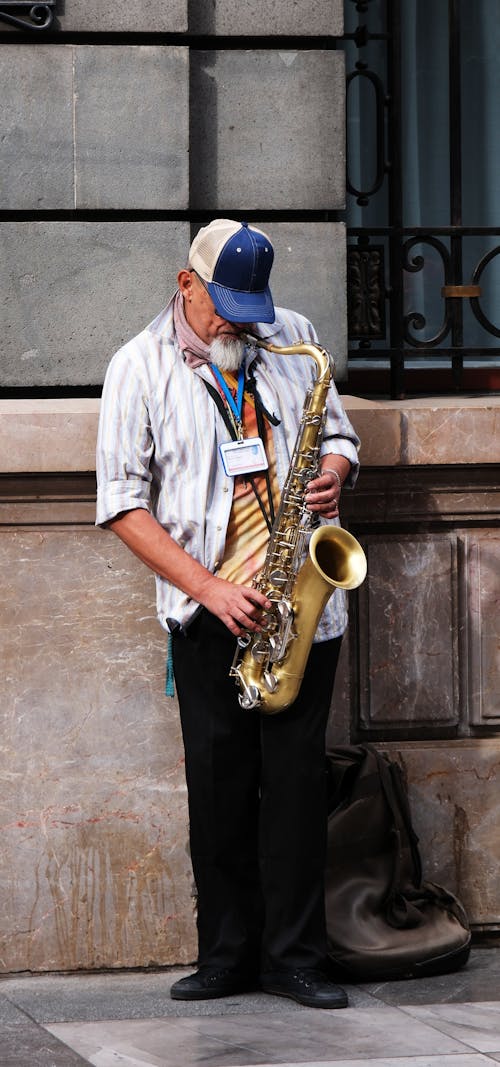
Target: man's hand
(239, 607)
(323, 493)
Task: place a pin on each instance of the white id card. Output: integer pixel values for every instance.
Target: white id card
(243, 457)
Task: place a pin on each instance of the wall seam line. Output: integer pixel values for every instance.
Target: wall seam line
(73, 87)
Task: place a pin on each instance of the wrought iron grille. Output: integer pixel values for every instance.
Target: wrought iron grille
(386, 325)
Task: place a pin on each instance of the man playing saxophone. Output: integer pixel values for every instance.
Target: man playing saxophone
(196, 437)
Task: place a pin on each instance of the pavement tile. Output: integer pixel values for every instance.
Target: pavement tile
(477, 1025)
(479, 980)
(467, 1060)
(126, 1019)
(9, 1013)
(306, 1036)
(31, 1045)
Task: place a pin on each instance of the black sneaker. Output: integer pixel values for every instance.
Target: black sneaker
(209, 983)
(311, 988)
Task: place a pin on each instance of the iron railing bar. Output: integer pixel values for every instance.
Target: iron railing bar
(455, 115)
(395, 177)
(455, 180)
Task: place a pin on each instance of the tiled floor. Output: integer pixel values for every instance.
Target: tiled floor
(128, 1020)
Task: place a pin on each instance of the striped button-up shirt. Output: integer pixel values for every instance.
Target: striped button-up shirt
(159, 437)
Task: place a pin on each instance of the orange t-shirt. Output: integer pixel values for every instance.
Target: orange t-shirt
(247, 533)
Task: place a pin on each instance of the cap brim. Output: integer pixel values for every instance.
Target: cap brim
(235, 305)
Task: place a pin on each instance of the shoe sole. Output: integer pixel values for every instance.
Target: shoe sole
(211, 994)
(308, 1002)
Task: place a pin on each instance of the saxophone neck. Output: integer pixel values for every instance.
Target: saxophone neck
(324, 362)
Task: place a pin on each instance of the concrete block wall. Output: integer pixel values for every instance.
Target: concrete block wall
(114, 151)
(81, 133)
(72, 292)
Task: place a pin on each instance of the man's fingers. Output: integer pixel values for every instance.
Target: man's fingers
(257, 600)
(249, 614)
(241, 608)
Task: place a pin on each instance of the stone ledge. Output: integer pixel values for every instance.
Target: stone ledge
(427, 430)
(48, 435)
(59, 435)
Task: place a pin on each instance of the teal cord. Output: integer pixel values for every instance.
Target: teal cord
(169, 679)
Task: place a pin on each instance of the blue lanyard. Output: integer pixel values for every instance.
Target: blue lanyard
(235, 407)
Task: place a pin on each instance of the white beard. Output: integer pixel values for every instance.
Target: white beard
(227, 352)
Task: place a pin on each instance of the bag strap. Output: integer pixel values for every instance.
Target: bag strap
(400, 912)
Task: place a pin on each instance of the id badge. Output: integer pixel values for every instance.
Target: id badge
(243, 457)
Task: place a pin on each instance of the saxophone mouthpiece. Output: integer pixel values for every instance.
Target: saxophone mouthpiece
(250, 338)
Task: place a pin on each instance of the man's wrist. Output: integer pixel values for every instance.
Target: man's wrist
(336, 465)
(331, 470)
(335, 475)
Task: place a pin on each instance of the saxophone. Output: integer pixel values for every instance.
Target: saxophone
(268, 666)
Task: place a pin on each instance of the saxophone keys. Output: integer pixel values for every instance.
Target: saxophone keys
(275, 646)
(249, 698)
(278, 578)
(260, 651)
(270, 681)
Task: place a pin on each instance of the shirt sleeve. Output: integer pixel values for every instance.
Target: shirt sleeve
(124, 441)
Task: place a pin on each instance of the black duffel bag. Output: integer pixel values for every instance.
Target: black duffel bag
(383, 921)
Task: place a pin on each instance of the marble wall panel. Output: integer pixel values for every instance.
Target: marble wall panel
(444, 433)
(36, 160)
(408, 634)
(454, 789)
(72, 292)
(426, 431)
(95, 869)
(483, 557)
(267, 130)
(131, 128)
(48, 435)
(324, 18)
(378, 424)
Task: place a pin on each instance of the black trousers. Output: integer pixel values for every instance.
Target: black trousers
(257, 807)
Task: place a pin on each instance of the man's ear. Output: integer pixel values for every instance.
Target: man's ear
(185, 282)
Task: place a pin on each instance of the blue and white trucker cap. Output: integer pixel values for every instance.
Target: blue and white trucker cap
(234, 261)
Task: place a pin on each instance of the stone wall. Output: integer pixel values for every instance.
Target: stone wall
(114, 151)
(95, 870)
(123, 130)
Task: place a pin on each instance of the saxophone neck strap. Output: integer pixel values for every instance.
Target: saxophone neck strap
(251, 387)
(235, 405)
